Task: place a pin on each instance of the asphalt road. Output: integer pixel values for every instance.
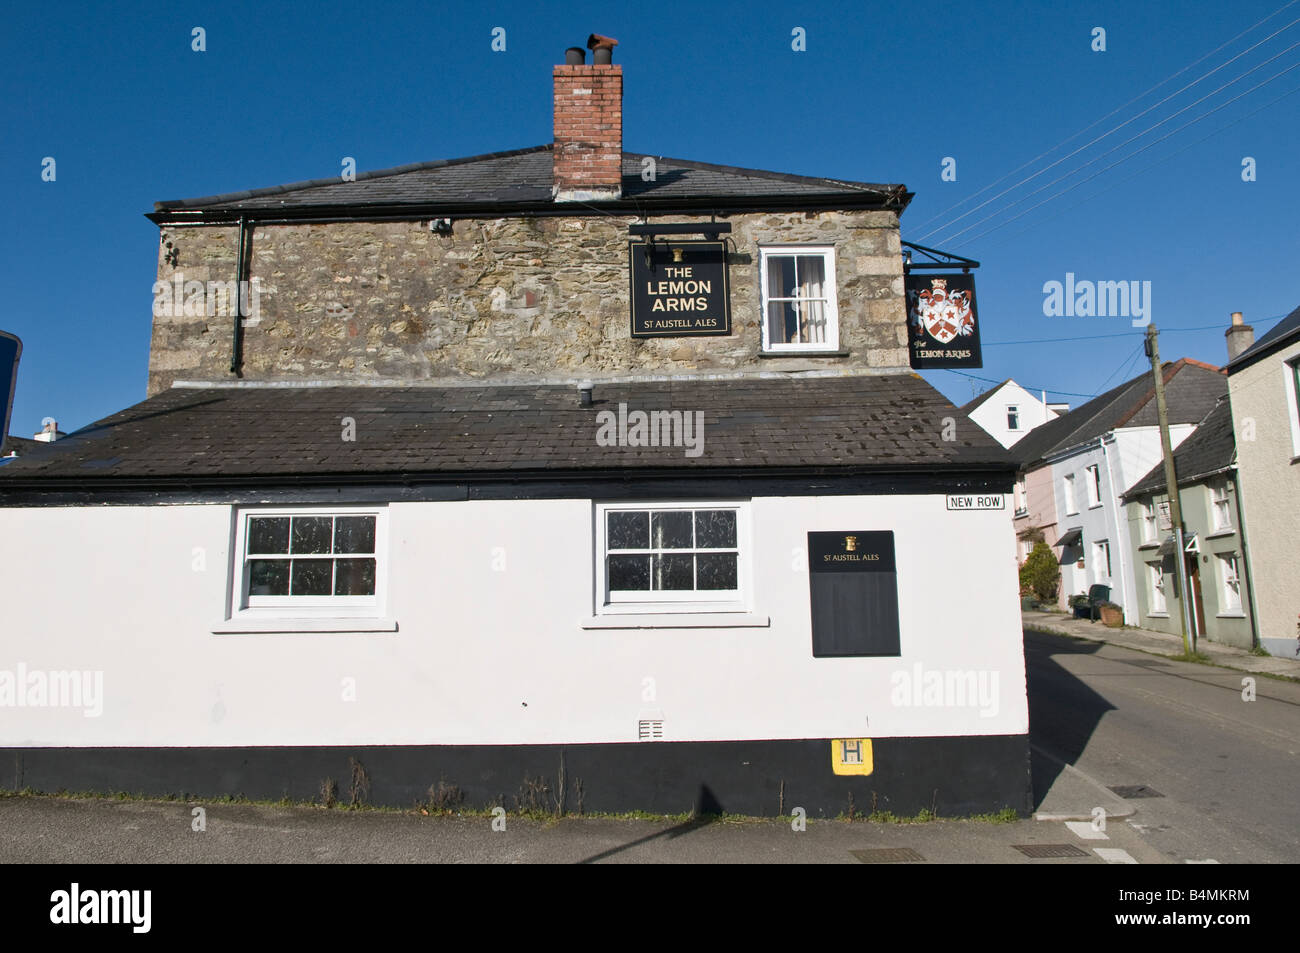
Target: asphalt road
(1227, 768)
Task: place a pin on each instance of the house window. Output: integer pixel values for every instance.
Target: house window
(1022, 497)
(1294, 375)
(1219, 503)
(1070, 507)
(1101, 558)
(799, 304)
(1156, 576)
(675, 558)
(310, 561)
(1013, 417)
(1094, 485)
(1231, 583)
(1148, 523)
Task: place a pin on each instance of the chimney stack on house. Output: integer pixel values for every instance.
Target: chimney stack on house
(588, 151)
(49, 433)
(1240, 336)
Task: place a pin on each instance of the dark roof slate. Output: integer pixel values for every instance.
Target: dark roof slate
(1211, 448)
(1191, 391)
(878, 423)
(525, 176)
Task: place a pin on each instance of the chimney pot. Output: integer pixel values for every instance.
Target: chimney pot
(584, 394)
(575, 56)
(1240, 336)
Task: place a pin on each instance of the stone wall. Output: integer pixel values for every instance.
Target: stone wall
(499, 299)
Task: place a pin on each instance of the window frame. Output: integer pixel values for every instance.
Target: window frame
(1150, 532)
(1156, 581)
(1013, 412)
(1226, 591)
(1071, 504)
(666, 602)
(1217, 501)
(308, 608)
(830, 296)
(1093, 473)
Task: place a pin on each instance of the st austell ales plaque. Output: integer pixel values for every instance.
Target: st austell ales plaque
(679, 289)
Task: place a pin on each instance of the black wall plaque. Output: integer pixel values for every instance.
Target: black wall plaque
(942, 324)
(853, 587)
(681, 291)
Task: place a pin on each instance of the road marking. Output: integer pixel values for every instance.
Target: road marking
(1114, 855)
(1086, 831)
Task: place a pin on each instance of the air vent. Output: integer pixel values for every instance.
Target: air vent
(649, 729)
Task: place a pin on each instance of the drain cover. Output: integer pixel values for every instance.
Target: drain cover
(888, 855)
(1135, 790)
(1050, 850)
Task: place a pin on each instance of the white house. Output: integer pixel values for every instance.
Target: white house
(1100, 450)
(1008, 411)
(385, 534)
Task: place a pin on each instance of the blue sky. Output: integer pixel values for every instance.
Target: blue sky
(882, 93)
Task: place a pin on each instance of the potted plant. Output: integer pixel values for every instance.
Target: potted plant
(1111, 615)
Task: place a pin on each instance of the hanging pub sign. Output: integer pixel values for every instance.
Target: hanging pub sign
(679, 289)
(942, 323)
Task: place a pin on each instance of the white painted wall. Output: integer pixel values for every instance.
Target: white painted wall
(485, 656)
(992, 414)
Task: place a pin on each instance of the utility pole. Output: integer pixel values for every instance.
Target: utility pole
(1171, 487)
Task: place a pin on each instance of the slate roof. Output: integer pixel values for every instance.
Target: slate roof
(522, 179)
(1277, 336)
(1210, 449)
(268, 434)
(1192, 389)
(19, 445)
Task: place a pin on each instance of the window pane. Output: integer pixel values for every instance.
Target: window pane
(628, 529)
(674, 572)
(781, 282)
(782, 323)
(354, 534)
(268, 577)
(629, 573)
(311, 577)
(268, 534)
(716, 570)
(311, 534)
(670, 530)
(715, 529)
(812, 274)
(354, 577)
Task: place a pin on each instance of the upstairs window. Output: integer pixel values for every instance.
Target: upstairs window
(1219, 503)
(1094, 485)
(799, 304)
(1148, 523)
(1013, 417)
(1070, 506)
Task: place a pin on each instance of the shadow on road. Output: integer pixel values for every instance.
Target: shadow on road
(1063, 711)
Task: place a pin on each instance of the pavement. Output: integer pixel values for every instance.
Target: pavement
(1159, 643)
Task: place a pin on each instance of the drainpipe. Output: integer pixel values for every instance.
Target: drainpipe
(1245, 562)
(236, 330)
(1121, 543)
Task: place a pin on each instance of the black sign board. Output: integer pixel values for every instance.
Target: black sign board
(942, 322)
(10, 350)
(679, 289)
(853, 586)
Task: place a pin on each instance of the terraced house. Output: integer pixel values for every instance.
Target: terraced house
(561, 466)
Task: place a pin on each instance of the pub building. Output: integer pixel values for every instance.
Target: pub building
(561, 463)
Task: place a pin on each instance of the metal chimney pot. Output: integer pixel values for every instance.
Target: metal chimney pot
(575, 56)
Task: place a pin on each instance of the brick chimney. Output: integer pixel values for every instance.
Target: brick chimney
(588, 152)
(1240, 336)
